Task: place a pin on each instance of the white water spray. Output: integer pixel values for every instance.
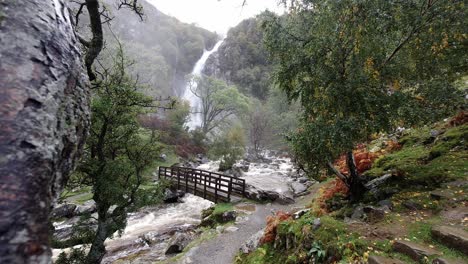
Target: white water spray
(195, 102)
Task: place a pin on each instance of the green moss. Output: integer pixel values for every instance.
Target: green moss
(454, 137)
(427, 164)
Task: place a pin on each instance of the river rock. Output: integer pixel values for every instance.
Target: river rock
(413, 250)
(228, 216)
(64, 210)
(252, 243)
(452, 236)
(88, 207)
(178, 243)
(172, 196)
(298, 188)
(302, 179)
(285, 198)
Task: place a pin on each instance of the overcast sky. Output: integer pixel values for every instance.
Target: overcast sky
(214, 15)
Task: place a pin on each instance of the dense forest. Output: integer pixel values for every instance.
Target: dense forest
(326, 132)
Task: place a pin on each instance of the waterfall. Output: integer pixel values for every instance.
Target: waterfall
(195, 102)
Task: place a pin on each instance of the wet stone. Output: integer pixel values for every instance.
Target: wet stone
(452, 236)
(414, 250)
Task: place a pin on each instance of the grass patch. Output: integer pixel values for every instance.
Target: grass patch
(221, 208)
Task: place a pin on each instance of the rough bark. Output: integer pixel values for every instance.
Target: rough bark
(355, 181)
(98, 249)
(44, 117)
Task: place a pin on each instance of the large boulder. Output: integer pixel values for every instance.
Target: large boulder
(88, 207)
(178, 243)
(44, 116)
(64, 210)
(171, 196)
(298, 188)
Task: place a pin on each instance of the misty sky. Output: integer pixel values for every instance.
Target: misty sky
(214, 15)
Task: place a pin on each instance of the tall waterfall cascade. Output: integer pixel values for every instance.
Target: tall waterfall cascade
(195, 102)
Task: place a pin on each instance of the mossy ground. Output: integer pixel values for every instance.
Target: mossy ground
(429, 158)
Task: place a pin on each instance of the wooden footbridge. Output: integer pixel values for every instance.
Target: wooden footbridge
(212, 186)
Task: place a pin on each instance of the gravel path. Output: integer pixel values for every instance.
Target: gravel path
(223, 248)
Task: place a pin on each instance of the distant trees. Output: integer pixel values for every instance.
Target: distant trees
(229, 147)
(363, 67)
(218, 101)
(259, 122)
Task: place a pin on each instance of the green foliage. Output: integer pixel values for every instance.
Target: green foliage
(219, 101)
(297, 242)
(229, 147)
(242, 61)
(76, 256)
(117, 152)
(363, 67)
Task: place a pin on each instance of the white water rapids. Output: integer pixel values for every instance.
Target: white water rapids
(148, 232)
(195, 102)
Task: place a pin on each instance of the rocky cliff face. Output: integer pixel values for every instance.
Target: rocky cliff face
(44, 117)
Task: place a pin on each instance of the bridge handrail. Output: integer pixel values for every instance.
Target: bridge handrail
(204, 178)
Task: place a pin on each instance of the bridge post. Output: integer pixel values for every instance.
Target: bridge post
(195, 184)
(178, 181)
(229, 189)
(216, 190)
(186, 181)
(204, 187)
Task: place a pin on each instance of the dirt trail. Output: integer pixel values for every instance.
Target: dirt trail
(223, 248)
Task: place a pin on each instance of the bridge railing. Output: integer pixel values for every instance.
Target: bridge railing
(209, 185)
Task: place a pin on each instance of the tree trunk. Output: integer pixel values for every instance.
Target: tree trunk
(44, 117)
(98, 249)
(355, 182)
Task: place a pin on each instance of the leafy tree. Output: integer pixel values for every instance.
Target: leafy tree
(117, 152)
(218, 101)
(259, 124)
(360, 67)
(229, 147)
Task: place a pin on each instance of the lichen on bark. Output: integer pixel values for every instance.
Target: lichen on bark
(44, 117)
